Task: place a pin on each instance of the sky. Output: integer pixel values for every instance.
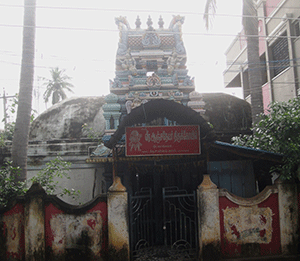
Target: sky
(82, 38)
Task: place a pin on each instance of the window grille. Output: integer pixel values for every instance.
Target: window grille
(280, 52)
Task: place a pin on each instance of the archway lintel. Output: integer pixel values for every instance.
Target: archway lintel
(161, 108)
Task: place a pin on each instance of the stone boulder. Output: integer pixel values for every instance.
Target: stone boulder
(65, 120)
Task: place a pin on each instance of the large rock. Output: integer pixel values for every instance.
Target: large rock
(65, 120)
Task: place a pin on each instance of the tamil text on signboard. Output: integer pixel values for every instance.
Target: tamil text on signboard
(163, 140)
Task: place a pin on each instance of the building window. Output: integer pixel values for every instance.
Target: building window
(297, 28)
(263, 68)
(280, 54)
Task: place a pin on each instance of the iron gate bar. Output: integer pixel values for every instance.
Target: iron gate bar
(141, 220)
(179, 224)
(180, 220)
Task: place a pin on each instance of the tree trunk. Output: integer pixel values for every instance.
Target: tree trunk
(20, 139)
(250, 23)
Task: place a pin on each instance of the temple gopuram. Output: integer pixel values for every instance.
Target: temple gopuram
(150, 64)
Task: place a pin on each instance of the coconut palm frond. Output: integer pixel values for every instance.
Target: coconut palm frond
(210, 10)
(47, 94)
(69, 89)
(56, 85)
(63, 95)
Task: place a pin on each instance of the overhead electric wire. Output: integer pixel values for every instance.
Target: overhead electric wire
(151, 11)
(261, 65)
(146, 11)
(184, 33)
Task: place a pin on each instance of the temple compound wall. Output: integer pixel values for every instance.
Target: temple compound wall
(42, 227)
(235, 227)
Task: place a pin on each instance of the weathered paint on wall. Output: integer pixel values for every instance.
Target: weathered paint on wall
(288, 206)
(244, 225)
(209, 221)
(56, 246)
(12, 231)
(34, 227)
(41, 227)
(118, 227)
(250, 230)
(237, 227)
(83, 233)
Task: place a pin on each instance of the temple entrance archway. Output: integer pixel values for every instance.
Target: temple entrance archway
(162, 201)
(163, 209)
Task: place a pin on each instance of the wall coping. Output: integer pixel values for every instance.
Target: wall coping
(11, 204)
(57, 202)
(74, 209)
(248, 202)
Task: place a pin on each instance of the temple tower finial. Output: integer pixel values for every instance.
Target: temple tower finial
(138, 22)
(161, 22)
(149, 23)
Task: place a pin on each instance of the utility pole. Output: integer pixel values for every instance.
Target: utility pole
(4, 109)
(4, 97)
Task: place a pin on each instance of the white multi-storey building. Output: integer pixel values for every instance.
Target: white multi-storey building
(279, 50)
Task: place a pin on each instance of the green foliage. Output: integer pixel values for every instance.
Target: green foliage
(9, 129)
(49, 178)
(91, 133)
(8, 188)
(11, 111)
(278, 132)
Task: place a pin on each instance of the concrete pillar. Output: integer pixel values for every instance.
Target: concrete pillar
(209, 220)
(35, 224)
(118, 229)
(288, 216)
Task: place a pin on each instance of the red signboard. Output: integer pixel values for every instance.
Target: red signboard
(163, 140)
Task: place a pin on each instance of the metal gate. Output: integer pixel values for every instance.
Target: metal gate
(141, 221)
(177, 225)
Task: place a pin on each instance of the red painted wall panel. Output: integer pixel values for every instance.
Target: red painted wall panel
(228, 249)
(62, 228)
(13, 230)
(102, 207)
(270, 210)
(50, 211)
(273, 248)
